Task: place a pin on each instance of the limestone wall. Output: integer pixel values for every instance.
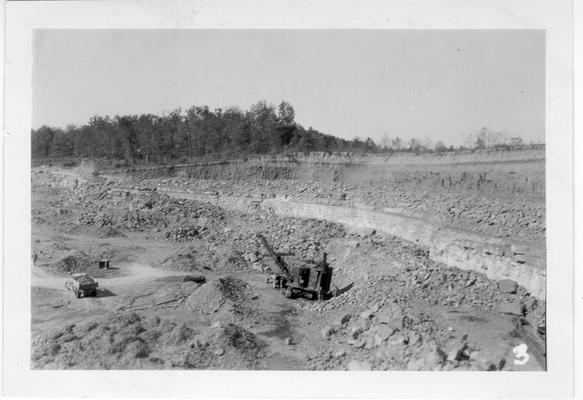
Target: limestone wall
(497, 258)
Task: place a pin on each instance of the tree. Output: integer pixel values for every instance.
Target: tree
(263, 127)
(415, 145)
(397, 144)
(285, 123)
(385, 142)
(369, 145)
(42, 140)
(487, 138)
(439, 147)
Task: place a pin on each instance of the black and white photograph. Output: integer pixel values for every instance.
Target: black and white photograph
(293, 200)
(313, 200)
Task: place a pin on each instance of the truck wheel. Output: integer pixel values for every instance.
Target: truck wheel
(78, 294)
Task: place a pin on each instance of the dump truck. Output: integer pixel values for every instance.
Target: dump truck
(311, 280)
(82, 285)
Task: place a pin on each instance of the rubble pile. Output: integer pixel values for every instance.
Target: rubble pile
(225, 346)
(394, 337)
(64, 261)
(117, 211)
(235, 261)
(126, 340)
(183, 233)
(424, 281)
(227, 298)
(519, 214)
(187, 259)
(304, 239)
(438, 284)
(513, 217)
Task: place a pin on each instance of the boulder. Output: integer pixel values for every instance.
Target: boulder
(384, 332)
(413, 338)
(507, 286)
(355, 332)
(370, 342)
(430, 358)
(344, 320)
(457, 352)
(511, 308)
(339, 353)
(397, 339)
(396, 323)
(219, 351)
(251, 257)
(327, 331)
(356, 365)
(530, 304)
(194, 278)
(364, 324)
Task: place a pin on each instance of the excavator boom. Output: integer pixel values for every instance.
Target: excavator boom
(276, 258)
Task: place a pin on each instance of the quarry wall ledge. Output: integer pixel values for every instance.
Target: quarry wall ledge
(495, 257)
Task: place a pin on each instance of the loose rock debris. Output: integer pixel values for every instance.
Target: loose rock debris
(202, 301)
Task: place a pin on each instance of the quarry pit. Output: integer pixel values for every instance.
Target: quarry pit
(439, 262)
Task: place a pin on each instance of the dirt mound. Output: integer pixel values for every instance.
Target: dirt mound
(190, 258)
(126, 340)
(233, 260)
(225, 298)
(228, 346)
(72, 262)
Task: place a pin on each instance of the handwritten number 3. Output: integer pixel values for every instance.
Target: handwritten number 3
(520, 352)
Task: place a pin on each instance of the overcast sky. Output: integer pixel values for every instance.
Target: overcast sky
(439, 85)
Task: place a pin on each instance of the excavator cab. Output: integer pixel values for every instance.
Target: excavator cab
(312, 282)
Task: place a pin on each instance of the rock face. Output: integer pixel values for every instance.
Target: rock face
(461, 249)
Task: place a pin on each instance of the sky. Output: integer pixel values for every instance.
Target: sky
(438, 85)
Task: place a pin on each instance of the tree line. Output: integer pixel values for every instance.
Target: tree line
(201, 133)
(189, 135)
(484, 138)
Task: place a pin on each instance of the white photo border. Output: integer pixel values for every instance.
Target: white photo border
(552, 16)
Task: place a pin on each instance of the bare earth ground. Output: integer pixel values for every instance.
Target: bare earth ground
(398, 309)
